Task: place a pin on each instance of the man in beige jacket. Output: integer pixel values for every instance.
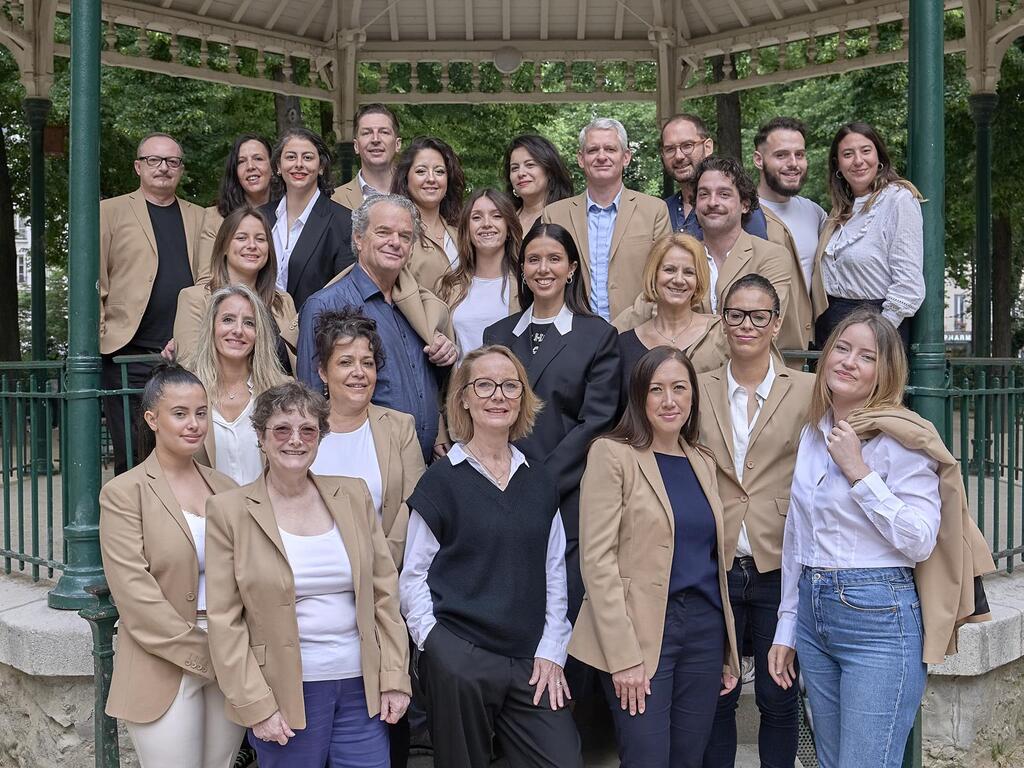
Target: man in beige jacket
(148, 253)
(376, 144)
(613, 227)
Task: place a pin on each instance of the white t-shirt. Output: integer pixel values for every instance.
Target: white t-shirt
(238, 452)
(197, 526)
(804, 219)
(485, 304)
(351, 454)
(325, 605)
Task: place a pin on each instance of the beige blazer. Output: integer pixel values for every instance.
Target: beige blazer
(429, 262)
(192, 304)
(349, 194)
(401, 465)
(798, 324)
(819, 299)
(627, 531)
(128, 263)
(254, 635)
(149, 558)
(208, 233)
(708, 352)
(762, 498)
(641, 220)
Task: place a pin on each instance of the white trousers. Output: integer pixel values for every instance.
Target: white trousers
(193, 732)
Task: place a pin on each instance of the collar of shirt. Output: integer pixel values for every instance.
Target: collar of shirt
(762, 389)
(459, 454)
(563, 320)
(613, 206)
(365, 188)
(282, 211)
(366, 287)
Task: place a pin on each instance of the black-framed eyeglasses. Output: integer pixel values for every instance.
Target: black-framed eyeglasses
(759, 318)
(484, 388)
(154, 161)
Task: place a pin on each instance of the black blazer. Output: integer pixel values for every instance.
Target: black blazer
(577, 376)
(324, 248)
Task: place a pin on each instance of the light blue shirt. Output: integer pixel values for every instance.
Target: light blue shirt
(600, 226)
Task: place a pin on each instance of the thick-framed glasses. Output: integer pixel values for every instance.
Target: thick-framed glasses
(685, 147)
(759, 318)
(154, 161)
(484, 388)
(283, 433)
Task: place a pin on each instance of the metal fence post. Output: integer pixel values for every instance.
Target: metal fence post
(102, 616)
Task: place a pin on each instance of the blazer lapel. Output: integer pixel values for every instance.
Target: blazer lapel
(578, 217)
(649, 468)
(627, 206)
(142, 214)
(342, 512)
(258, 505)
(549, 348)
(778, 391)
(382, 446)
(706, 479)
(159, 486)
(312, 231)
(718, 388)
(741, 253)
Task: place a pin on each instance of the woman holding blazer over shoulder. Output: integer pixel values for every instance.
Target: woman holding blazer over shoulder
(152, 534)
(571, 357)
(305, 632)
(656, 619)
(877, 540)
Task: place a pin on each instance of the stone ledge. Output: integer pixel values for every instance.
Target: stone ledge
(984, 647)
(37, 639)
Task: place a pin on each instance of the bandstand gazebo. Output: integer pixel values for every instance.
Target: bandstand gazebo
(349, 52)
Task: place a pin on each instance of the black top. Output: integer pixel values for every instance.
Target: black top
(577, 376)
(488, 580)
(173, 273)
(695, 557)
(631, 349)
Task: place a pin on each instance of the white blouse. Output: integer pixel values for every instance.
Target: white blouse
(238, 451)
(879, 254)
(352, 454)
(485, 304)
(888, 519)
(197, 527)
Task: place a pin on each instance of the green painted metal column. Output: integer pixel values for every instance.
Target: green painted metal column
(983, 107)
(84, 565)
(926, 164)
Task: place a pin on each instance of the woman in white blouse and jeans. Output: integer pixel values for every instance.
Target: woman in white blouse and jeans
(871, 250)
(862, 516)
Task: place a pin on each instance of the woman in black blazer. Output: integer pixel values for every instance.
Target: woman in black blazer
(309, 259)
(572, 359)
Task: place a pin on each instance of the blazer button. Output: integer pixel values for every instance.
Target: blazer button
(190, 596)
(744, 499)
(750, 465)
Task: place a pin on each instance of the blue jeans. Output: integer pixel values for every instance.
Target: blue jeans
(755, 606)
(676, 723)
(338, 733)
(859, 642)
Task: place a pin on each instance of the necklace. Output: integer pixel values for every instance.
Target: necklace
(672, 339)
(500, 477)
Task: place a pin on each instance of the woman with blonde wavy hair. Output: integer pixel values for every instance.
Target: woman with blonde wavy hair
(235, 358)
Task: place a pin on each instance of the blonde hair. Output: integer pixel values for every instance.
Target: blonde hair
(657, 255)
(460, 424)
(264, 367)
(890, 365)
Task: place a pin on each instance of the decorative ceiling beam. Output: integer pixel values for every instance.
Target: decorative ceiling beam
(740, 16)
(393, 21)
(319, 4)
(237, 15)
(581, 19)
(332, 27)
(620, 13)
(203, 8)
(166, 3)
(774, 8)
(506, 20)
(658, 12)
(468, 14)
(272, 21)
(681, 21)
(545, 14)
(711, 26)
(431, 20)
(811, 6)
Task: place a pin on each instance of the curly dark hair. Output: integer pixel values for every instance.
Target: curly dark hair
(734, 171)
(349, 322)
(323, 179)
(290, 397)
(451, 205)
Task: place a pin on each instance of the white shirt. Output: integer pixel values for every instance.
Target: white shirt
(421, 546)
(285, 238)
(325, 605)
(879, 254)
(197, 526)
(562, 321)
(485, 304)
(804, 219)
(713, 282)
(741, 431)
(238, 452)
(352, 454)
(451, 250)
(888, 519)
(365, 188)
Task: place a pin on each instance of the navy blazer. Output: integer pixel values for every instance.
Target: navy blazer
(577, 376)
(324, 248)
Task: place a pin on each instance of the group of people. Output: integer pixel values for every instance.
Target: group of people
(506, 453)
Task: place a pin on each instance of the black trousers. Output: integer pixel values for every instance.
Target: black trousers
(838, 308)
(113, 407)
(474, 695)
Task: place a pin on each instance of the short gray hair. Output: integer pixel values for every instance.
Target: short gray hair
(604, 124)
(158, 135)
(361, 215)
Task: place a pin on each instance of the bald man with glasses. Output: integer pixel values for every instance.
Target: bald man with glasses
(148, 253)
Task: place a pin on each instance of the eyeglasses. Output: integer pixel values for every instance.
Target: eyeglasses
(759, 318)
(685, 147)
(283, 433)
(154, 161)
(484, 388)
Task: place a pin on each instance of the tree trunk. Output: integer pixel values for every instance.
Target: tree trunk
(289, 112)
(1002, 286)
(727, 106)
(10, 344)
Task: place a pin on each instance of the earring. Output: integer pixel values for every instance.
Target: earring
(839, 175)
(515, 193)
(880, 167)
(568, 280)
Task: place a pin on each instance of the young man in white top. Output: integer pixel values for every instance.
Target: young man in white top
(376, 143)
(780, 154)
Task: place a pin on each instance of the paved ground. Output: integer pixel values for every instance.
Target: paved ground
(745, 758)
